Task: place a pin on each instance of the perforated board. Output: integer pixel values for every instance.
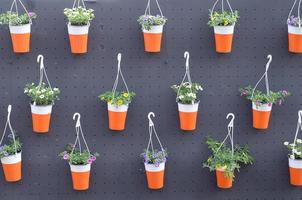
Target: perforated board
(119, 172)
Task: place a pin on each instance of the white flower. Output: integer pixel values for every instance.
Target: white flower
(26, 91)
(30, 90)
(299, 141)
(56, 89)
(181, 97)
(294, 151)
(42, 96)
(38, 92)
(286, 143)
(292, 157)
(194, 96)
(188, 86)
(200, 88)
(298, 153)
(50, 92)
(43, 90)
(292, 145)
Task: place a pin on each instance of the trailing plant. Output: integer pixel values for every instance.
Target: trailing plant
(117, 98)
(14, 19)
(224, 18)
(155, 157)
(76, 157)
(10, 148)
(41, 95)
(187, 93)
(294, 21)
(79, 16)
(261, 98)
(147, 21)
(223, 158)
(295, 149)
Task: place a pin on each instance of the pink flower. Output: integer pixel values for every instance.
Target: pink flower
(93, 158)
(89, 161)
(269, 104)
(284, 92)
(66, 157)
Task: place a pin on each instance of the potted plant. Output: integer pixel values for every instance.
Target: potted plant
(223, 22)
(42, 100)
(11, 154)
(19, 27)
(295, 156)
(225, 160)
(117, 102)
(294, 30)
(79, 19)
(152, 27)
(187, 100)
(79, 159)
(154, 160)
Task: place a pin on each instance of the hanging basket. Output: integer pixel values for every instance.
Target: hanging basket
(153, 37)
(294, 30)
(20, 35)
(223, 34)
(12, 164)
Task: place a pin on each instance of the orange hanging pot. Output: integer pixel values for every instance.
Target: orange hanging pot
(152, 38)
(78, 37)
(80, 176)
(20, 36)
(295, 171)
(224, 38)
(261, 115)
(117, 116)
(223, 181)
(41, 118)
(155, 175)
(294, 39)
(188, 116)
(12, 167)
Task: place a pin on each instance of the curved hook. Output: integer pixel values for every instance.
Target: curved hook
(78, 123)
(270, 58)
(149, 117)
(187, 57)
(40, 59)
(9, 110)
(119, 58)
(232, 118)
(300, 116)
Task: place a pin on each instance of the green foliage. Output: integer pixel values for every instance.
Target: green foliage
(224, 18)
(10, 148)
(154, 157)
(295, 149)
(261, 98)
(76, 157)
(42, 95)
(119, 98)
(79, 16)
(223, 158)
(147, 21)
(187, 92)
(14, 19)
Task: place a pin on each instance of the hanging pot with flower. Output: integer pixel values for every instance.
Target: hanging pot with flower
(295, 156)
(154, 160)
(79, 18)
(223, 23)
(11, 153)
(262, 103)
(79, 159)
(19, 26)
(117, 101)
(152, 27)
(294, 30)
(224, 159)
(42, 100)
(187, 100)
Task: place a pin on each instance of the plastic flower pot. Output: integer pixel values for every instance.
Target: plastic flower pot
(80, 176)
(152, 38)
(41, 118)
(20, 38)
(12, 167)
(155, 175)
(295, 171)
(223, 181)
(261, 115)
(117, 116)
(294, 39)
(188, 116)
(78, 36)
(224, 38)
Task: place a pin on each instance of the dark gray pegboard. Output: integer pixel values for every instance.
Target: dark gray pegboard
(119, 172)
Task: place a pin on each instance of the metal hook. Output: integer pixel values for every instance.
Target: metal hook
(9, 110)
(78, 124)
(270, 58)
(119, 58)
(300, 116)
(40, 59)
(149, 117)
(187, 57)
(232, 119)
